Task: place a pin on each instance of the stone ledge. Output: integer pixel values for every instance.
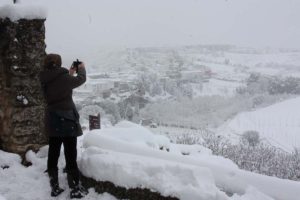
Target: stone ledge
(122, 192)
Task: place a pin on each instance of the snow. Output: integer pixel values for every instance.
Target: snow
(113, 154)
(251, 194)
(278, 124)
(100, 145)
(219, 87)
(31, 183)
(193, 149)
(169, 178)
(9, 159)
(19, 11)
(264, 59)
(133, 133)
(2, 198)
(23, 99)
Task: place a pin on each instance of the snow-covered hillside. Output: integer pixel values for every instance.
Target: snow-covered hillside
(278, 124)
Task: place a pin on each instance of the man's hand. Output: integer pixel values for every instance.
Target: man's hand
(72, 71)
(81, 65)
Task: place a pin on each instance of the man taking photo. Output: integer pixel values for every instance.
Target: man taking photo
(62, 120)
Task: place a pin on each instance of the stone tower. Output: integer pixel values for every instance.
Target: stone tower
(22, 51)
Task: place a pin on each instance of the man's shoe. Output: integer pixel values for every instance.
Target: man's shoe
(56, 190)
(76, 193)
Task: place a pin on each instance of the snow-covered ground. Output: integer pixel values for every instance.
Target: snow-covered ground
(129, 156)
(278, 124)
(132, 156)
(31, 183)
(150, 163)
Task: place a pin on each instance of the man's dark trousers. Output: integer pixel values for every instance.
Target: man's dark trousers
(69, 150)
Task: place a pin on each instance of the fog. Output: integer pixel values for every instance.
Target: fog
(74, 25)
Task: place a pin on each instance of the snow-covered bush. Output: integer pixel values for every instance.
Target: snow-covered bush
(250, 138)
(188, 139)
(264, 159)
(289, 85)
(273, 85)
(260, 158)
(125, 109)
(255, 84)
(112, 109)
(150, 83)
(185, 90)
(154, 85)
(294, 165)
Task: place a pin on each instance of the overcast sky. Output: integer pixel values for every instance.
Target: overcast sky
(131, 23)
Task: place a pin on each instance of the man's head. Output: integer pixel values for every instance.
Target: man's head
(52, 61)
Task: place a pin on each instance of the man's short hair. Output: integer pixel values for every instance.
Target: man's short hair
(52, 61)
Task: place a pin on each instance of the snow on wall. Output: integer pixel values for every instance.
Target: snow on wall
(18, 11)
(133, 133)
(132, 171)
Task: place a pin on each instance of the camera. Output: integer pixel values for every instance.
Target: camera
(75, 65)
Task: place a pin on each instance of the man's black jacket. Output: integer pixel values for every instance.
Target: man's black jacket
(58, 85)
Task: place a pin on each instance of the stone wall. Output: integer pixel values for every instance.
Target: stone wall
(22, 51)
(122, 192)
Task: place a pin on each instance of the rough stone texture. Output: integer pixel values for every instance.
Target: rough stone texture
(22, 51)
(123, 193)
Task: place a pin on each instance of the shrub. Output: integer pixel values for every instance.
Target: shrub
(250, 138)
(256, 156)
